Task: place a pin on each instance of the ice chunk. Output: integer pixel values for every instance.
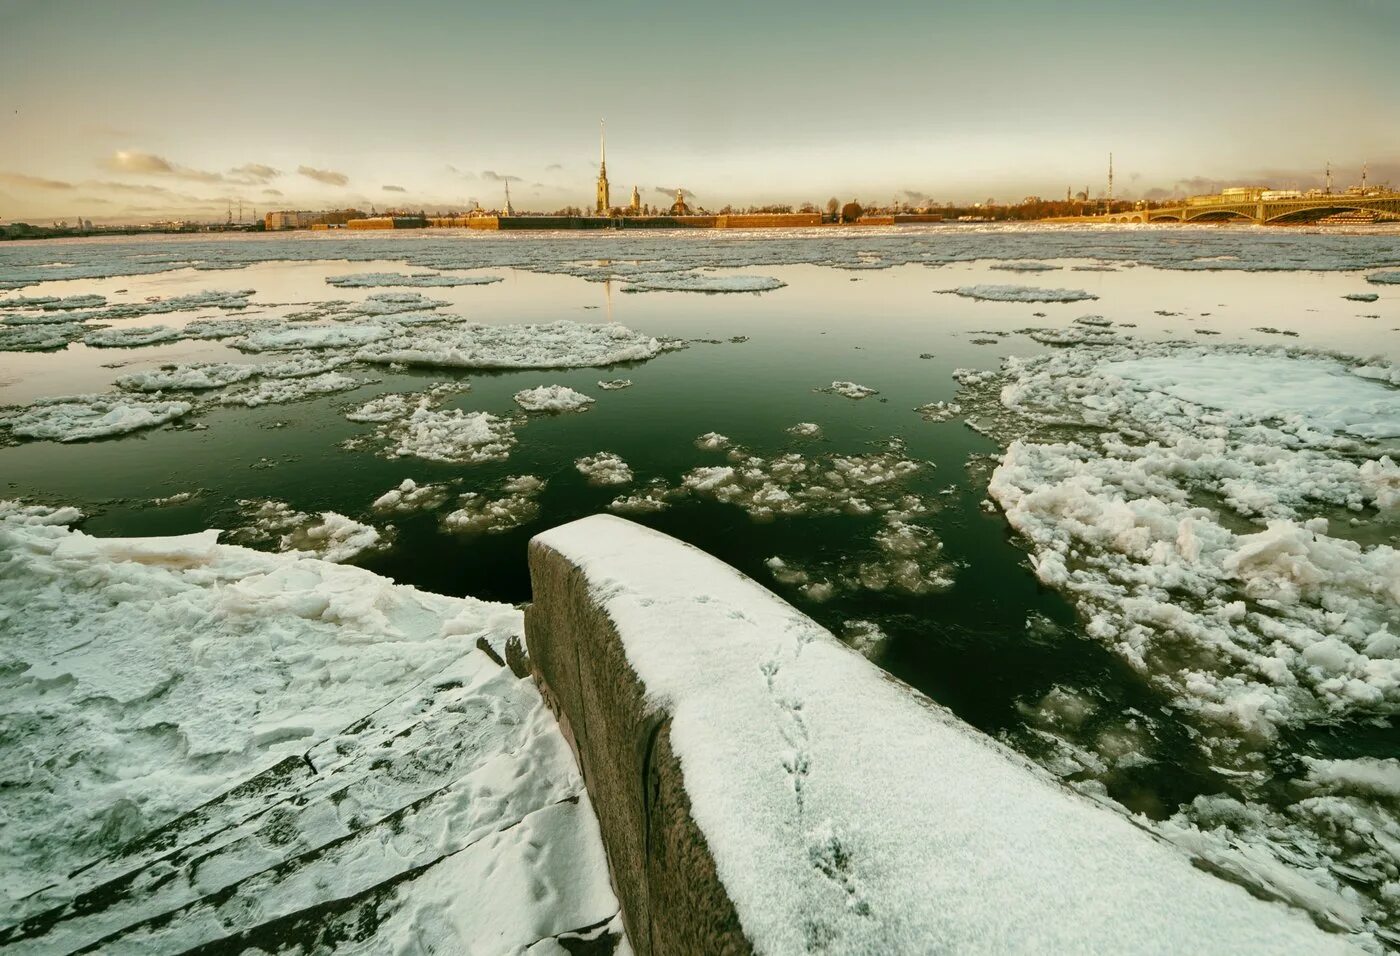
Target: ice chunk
(552, 398)
(604, 468)
(84, 417)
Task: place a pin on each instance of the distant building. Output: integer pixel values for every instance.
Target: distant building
(604, 205)
(636, 204)
(679, 208)
(305, 218)
(509, 210)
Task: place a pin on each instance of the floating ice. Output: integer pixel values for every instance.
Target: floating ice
(476, 513)
(559, 345)
(84, 417)
(1384, 278)
(39, 338)
(939, 411)
(367, 280)
(852, 390)
(275, 391)
(196, 377)
(289, 337)
(1020, 293)
(604, 468)
(131, 337)
(552, 398)
(701, 282)
(806, 430)
(615, 384)
(329, 536)
(409, 496)
(389, 303)
(712, 441)
(452, 435)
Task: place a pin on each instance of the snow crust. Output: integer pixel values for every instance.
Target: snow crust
(206, 740)
(780, 731)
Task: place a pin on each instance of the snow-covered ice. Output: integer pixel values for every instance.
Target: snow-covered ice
(130, 337)
(409, 496)
(195, 377)
(279, 391)
(220, 741)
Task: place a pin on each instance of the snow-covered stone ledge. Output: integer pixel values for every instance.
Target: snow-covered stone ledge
(762, 788)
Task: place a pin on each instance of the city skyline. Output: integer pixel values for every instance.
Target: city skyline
(152, 109)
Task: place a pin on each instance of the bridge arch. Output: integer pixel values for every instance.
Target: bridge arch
(1218, 215)
(1322, 211)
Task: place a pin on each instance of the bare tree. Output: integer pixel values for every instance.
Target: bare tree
(832, 205)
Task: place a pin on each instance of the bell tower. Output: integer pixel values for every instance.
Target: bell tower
(603, 200)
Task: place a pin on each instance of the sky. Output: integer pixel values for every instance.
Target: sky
(147, 109)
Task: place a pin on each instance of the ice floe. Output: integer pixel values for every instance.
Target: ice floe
(369, 280)
(329, 536)
(557, 345)
(1020, 293)
(851, 390)
(279, 391)
(604, 468)
(196, 377)
(84, 417)
(409, 496)
(701, 282)
(552, 398)
(805, 430)
(129, 337)
(518, 504)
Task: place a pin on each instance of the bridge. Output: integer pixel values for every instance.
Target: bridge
(1384, 206)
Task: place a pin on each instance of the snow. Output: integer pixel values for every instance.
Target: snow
(196, 377)
(552, 398)
(364, 280)
(781, 731)
(604, 468)
(1020, 293)
(218, 738)
(131, 337)
(701, 282)
(17, 512)
(85, 417)
(518, 505)
(852, 390)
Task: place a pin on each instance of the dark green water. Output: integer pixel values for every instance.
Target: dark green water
(994, 640)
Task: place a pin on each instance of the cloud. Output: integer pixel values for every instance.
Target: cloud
(250, 174)
(394, 189)
(149, 164)
(272, 192)
(670, 191)
(553, 168)
(33, 182)
(464, 173)
(913, 195)
(491, 176)
(328, 176)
